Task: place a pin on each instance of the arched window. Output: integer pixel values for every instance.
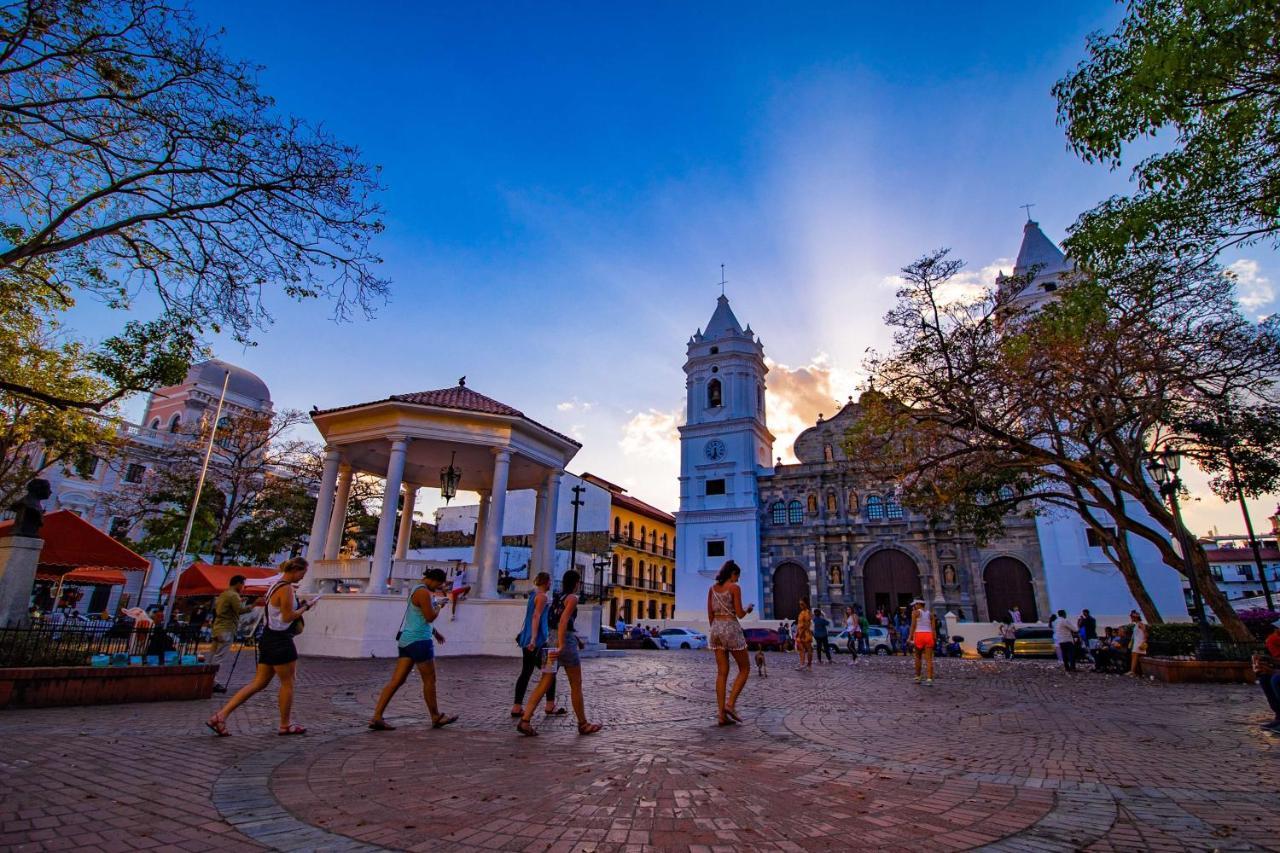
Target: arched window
(795, 512)
(779, 511)
(643, 535)
(832, 503)
(653, 540)
(631, 530)
(875, 508)
(155, 423)
(1006, 493)
(628, 569)
(828, 454)
(640, 576)
(664, 541)
(813, 504)
(853, 503)
(174, 422)
(714, 396)
(893, 509)
(224, 422)
(664, 574)
(617, 526)
(615, 568)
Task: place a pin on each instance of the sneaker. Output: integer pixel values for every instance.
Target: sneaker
(928, 681)
(219, 688)
(917, 679)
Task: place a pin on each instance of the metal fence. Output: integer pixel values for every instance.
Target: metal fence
(95, 644)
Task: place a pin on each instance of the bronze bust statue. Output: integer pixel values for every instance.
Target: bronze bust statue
(29, 511)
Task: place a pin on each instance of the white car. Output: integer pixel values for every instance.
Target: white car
(681, 638)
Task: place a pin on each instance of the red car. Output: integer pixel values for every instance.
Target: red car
(763, 638)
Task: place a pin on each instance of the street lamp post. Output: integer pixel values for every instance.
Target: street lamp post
(1163, 467)
(600, 563)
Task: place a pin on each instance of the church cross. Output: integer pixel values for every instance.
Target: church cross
(1027, 208)
(723, 280)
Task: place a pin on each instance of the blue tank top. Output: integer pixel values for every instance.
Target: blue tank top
(540, 639)
(415, 626)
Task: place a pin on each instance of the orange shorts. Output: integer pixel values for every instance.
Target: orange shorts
(923, 640)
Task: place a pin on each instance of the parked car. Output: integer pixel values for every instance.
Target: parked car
(1034, 642)
(681, 638)
(763, 638)
(877, 641)
(613, 640)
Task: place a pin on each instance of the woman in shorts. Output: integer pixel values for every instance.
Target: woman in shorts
(567, 657)
(416, 642)
(921, 634)
(277, 655)
(724, 609)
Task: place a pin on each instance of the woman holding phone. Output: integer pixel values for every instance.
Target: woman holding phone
(563, 655)
(277, 655)
(724, 609)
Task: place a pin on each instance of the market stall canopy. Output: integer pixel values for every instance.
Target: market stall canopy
(206, 579)
(74, 547)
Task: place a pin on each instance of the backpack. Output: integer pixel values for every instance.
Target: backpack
(554, 614)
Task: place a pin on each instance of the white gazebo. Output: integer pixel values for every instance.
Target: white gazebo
(454, 439)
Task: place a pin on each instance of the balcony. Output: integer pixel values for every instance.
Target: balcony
(641, 545)
(638, 583)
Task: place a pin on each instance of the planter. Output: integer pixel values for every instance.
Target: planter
(1183, 670)
(48, 686)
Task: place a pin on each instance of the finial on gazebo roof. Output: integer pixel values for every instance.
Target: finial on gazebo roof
(462, 382)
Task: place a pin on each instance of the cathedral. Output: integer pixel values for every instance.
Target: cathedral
(822, 529)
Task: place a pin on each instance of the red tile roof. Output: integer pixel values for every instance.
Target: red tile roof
(460, 398)
(637, 505)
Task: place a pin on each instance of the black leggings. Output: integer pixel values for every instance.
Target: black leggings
(824, 645)
(531, 662)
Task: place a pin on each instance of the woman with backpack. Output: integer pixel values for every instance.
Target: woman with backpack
(532, 639)
(564, 655)
(277, 655)
(416, 645)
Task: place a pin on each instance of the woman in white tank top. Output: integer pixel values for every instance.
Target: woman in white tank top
(922, 638)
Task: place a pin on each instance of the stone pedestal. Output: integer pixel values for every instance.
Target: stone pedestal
(18, 558)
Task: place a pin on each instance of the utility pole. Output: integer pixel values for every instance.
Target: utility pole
(577, 504)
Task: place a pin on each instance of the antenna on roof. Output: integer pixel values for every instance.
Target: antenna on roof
(1027, 208)
(723, 280)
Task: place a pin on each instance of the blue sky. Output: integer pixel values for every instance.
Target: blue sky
(564, 181)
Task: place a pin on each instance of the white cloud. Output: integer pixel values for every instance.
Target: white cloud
(797, 395)
(652, 435)
(965, 285)
(1253, 289)
(574, 405)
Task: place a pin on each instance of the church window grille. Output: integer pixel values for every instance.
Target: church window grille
(1006, 493)
(715, 487)
(715, 547)
(795, 512)
(779, 511)
(875, 508)
(892, 508)
(813, 504)
(714, 396)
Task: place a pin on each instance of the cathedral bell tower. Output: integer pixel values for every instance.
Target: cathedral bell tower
(723, 445)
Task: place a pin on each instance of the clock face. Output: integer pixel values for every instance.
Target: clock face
(715, 450)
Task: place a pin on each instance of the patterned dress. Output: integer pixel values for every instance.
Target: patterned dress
(726, 633)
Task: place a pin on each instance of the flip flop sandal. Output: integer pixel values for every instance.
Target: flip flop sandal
(519, 713)
(218, 726)
(558, 712)
(733, 715)
(292, 729)
(525, 728)
(444, 720)
(380, 726)
(589, 728)
(725, 722)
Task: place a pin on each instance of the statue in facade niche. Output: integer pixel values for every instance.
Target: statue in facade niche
(29, 511)
(949, 575)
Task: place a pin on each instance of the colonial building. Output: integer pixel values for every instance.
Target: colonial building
(830, 533)
(642, 577)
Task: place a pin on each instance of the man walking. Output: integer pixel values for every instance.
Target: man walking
(227, 610)
(1089, 634)
(1064, 634)
(821, 635)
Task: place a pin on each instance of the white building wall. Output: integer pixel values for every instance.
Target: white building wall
(593, 516)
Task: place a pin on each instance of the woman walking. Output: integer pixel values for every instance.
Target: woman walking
(852, 634)
(532, 638)
(277, 655)
(565, 655)
(804, 635)
(1137, 643)
(417, 647)
(724, 609)
(922, 638)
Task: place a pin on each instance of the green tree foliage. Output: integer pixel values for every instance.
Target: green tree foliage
(136, 160)
(1201, 80)
(985, 410)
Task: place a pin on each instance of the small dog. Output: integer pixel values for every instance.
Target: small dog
(760, 663)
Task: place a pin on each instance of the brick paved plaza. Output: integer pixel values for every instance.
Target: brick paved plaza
(996, 755)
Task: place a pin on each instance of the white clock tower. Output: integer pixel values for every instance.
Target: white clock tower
(723, 445)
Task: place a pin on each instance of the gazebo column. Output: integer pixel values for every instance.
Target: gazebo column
(406, 522)
(488, 580)
(539, 511)
(338, 518)
(547, 534)
(324, 508)
(384, 544)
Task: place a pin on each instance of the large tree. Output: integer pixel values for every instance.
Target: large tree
(258, 497)
(1200, 81)
(142, 167)
(986, 409)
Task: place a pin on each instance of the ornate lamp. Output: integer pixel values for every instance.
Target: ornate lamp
(449, 478)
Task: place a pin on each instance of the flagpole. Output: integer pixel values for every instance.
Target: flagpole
(181, 555)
